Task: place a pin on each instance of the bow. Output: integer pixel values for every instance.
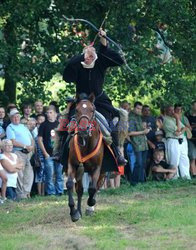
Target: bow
(106, 37)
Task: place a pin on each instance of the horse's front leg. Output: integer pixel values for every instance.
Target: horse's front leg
(92, 192)
(75, 215)
(79, 187)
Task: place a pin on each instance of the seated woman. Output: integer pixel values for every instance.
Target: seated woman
(11, 165)
(3, 185)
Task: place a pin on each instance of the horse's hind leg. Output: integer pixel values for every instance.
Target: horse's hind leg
(100, 181)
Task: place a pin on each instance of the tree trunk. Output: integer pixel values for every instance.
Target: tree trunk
(10, 88)
(10, 83)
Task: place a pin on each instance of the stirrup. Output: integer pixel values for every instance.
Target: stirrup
(121, 160)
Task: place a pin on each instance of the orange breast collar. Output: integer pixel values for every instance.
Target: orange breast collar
(82, 159)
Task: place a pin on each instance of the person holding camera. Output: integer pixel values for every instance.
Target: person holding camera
(137, 136)
(176, 143)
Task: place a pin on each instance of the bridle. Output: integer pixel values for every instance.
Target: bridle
(87, 132)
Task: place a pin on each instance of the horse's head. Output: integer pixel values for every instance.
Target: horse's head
(85, 114)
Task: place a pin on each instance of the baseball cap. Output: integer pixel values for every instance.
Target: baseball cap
(13, 112)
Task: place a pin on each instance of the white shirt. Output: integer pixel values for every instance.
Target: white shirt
(1, 168)
(11, 177)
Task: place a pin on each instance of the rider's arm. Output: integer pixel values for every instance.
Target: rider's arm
(108, 56)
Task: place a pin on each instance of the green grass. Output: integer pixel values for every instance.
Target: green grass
(149, 216)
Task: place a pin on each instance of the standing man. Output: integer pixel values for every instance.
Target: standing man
(176, 144)
(88, 71)
(46, 136)
(138, 139)
(23, 146)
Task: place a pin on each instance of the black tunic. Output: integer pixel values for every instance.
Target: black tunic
(91, 80)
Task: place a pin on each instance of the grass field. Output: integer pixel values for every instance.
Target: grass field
(149, 216)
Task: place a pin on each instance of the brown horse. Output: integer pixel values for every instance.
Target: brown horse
(85, 154)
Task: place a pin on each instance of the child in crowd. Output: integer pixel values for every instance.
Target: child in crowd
(159, 143)
(161, 170)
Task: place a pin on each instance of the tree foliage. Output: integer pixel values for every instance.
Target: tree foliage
(36, 42)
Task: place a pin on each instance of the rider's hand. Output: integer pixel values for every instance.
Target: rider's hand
(102, 35)
(101, 32)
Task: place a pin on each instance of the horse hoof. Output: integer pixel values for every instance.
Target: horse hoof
(80, 214)
(89, 212)
(76, 216)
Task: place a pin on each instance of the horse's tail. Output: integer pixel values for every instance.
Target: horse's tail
(122, 126)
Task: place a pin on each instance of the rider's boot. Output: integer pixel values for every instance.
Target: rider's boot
(120, 158)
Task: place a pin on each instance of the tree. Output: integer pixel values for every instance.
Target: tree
(36, 41)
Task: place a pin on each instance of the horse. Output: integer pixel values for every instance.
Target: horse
(86, 151)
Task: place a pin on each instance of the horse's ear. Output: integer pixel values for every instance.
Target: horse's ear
(77, 97)
(91, 97)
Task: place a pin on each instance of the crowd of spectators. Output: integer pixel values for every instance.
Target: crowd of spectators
(160, 148)
(26, 160)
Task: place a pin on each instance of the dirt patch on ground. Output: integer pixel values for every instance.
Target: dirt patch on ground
(61, 237)
(58, 237)
(54, 229)
(140, 196)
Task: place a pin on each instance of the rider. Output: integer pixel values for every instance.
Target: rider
(88, 71)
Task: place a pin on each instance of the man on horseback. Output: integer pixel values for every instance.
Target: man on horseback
(88, 72)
